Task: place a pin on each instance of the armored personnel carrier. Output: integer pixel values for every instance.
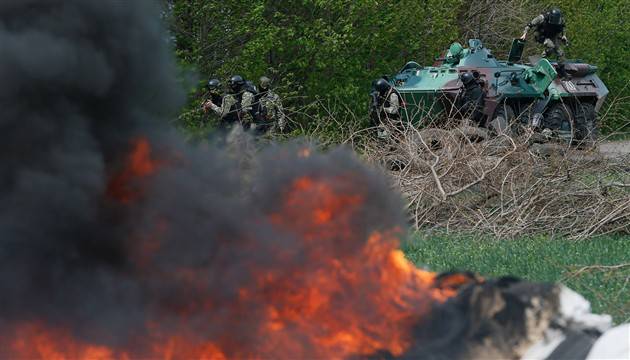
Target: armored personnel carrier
(516, 94)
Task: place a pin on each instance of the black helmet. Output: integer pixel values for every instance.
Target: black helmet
(381, 85)
(555, 16)
(467, 78)
(236, 82)
(214, 84)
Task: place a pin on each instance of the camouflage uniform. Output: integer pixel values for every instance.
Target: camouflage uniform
(245, 111)
(389, 112)
(550, 35)
(472, 99)
(230, 112)
(269, 114)
(214, 97)
(227, 112)
(391, 105)
(271, 109)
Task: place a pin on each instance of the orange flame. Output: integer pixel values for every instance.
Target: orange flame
(33, 341)
(346, 296)
(139, 164)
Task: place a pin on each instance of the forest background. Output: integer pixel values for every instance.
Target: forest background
(329, 51)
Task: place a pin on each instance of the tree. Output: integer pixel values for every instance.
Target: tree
(335, 48)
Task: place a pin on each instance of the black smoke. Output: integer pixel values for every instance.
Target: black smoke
(81, 79)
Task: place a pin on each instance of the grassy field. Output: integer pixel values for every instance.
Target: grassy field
(539, 259)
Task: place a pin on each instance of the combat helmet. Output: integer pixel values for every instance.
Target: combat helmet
(265, 82)
(382, 85)
(214, 84)
(555, 16)
(236, 82)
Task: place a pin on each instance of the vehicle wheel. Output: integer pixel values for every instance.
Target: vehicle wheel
(502, 120)
(557, 118)
(586, 123)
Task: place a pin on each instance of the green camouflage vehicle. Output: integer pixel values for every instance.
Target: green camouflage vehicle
(516, 94)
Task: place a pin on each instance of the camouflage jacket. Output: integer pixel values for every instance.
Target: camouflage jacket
(245, 111)
(392, 104)
(230, 110)
(226, 106)
(545, 30)
(270, 108)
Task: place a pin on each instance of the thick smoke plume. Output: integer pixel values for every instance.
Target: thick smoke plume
(80, 80)
(115, 234)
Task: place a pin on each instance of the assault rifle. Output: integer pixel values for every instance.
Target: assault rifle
(375, 106)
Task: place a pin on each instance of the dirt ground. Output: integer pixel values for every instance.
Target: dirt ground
(615, 149)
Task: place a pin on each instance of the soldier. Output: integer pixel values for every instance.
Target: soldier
(245, 98)
(236, 106)
(214, 92)
(387, 104)
(472, 99)
(549, 29)
(270, 113)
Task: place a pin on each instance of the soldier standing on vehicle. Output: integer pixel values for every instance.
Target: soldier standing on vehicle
(270, 112)
(387, 106)
(549, 28)
(236, 106)
(472, 99)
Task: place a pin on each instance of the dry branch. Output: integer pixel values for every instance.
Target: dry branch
(455, 179)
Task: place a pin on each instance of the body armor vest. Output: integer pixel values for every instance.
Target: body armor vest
(548, 31)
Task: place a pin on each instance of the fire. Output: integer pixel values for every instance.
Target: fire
(341, 291)
(351, 303)
(139, 164)
(33, 341)
(304, 153)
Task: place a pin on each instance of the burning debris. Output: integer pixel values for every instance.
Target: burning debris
(119, 241)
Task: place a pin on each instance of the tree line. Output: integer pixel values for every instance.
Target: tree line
(333, 49)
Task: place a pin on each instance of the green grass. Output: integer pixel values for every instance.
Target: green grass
(617, 136)
(538, 259)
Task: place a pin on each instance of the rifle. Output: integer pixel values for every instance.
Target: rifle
(375, 104)
(204, 98)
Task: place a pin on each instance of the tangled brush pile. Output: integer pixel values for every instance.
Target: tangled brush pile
(463, 178)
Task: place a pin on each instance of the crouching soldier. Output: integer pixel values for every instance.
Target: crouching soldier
(549, 28)
(386, 106)
(270, 114)
(214, 95)
(473, 99)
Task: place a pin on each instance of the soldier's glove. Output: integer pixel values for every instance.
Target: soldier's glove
(565, 40)
(524, 36)
(207, 105)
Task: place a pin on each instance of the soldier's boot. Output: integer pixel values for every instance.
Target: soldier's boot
(549, 48)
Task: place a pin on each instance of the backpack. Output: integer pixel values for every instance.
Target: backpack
(547, 30)
(250, 87)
